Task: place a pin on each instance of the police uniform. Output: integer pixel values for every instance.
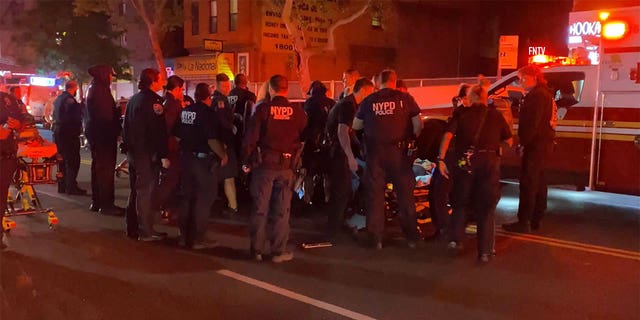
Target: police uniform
(145, 138)
(194, 128)
(275, 130)
(479, 189)
(439, 186)
(68, 120)
(166, 196)
(387, 115)
(339, 173)
(536, 136)
(8, 153)
(224, 119)
(241, 101)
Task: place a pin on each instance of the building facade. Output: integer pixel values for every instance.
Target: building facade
(254, 37)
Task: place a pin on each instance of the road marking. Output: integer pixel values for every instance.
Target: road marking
(87, 162)
(295, 296)
(631, 255)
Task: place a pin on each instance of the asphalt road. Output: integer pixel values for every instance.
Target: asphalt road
(583, 264)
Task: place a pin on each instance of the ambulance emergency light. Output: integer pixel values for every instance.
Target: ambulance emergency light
(614, 30)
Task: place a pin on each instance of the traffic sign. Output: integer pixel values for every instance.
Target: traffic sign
(508, 52)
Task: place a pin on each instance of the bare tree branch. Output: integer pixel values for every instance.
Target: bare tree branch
(331, 41)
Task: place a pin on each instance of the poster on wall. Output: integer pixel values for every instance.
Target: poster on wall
(243, 63)
(275, 37)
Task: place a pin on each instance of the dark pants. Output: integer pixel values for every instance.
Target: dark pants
(8, 166)
(479, 191)
(69, 147)
(199, 187)
(271, 193)
(439, 190)
(104, 156)
(131, 214)
(533, 184)
(341, 189)
(167, 195)
(390, 163)
(143, 180)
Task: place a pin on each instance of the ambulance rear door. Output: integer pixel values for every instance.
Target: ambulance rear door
(615, 163)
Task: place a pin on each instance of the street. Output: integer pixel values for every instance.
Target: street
(583, 264)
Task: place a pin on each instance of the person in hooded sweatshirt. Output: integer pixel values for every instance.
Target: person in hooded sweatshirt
(317, 108)
(102, 131)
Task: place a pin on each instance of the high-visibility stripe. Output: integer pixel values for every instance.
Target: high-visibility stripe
(608, 124)
(588, 136)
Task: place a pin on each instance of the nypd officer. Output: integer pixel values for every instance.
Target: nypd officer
(201, 155)
(479, 132)
(10, 116)
(342, 161)
(273, 140)
(66, 133)
(536, 133)
(241, 101)
(145, 138)
(390, 119)
(227, 131)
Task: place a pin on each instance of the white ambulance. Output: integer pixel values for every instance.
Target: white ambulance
(598, 128)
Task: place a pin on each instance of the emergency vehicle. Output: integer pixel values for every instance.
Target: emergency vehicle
(598, 127)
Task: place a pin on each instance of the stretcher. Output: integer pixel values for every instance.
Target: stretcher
(36, 159)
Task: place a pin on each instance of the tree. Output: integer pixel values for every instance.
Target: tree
(339, 13)
(159, 16)
(67, 42)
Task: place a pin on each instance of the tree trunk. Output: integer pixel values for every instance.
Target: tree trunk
(157, 52)
(303, 71)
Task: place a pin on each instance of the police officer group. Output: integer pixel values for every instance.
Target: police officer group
(178, 153)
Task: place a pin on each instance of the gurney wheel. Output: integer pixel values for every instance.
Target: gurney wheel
(52, 226)
(118, 174)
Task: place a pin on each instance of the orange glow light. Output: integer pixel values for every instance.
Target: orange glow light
(541, 58)
(614, 30)
(603, 15)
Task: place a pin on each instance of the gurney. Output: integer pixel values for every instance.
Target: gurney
(36, 159)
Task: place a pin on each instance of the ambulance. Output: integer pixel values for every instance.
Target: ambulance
(597, 143)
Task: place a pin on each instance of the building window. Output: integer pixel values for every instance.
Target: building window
(233, 15)
(213, 17)
(195, 18)
(122, 8)
(376, 21)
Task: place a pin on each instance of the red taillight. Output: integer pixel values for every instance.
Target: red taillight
(614, 30)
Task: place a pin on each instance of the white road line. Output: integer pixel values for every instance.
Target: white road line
(295, 296)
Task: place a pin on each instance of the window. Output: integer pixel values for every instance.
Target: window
(213, 17)
(566, 87)
(233, 15)
(376, 21)
(195, 18)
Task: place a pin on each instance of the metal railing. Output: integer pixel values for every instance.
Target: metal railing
(336, 86)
